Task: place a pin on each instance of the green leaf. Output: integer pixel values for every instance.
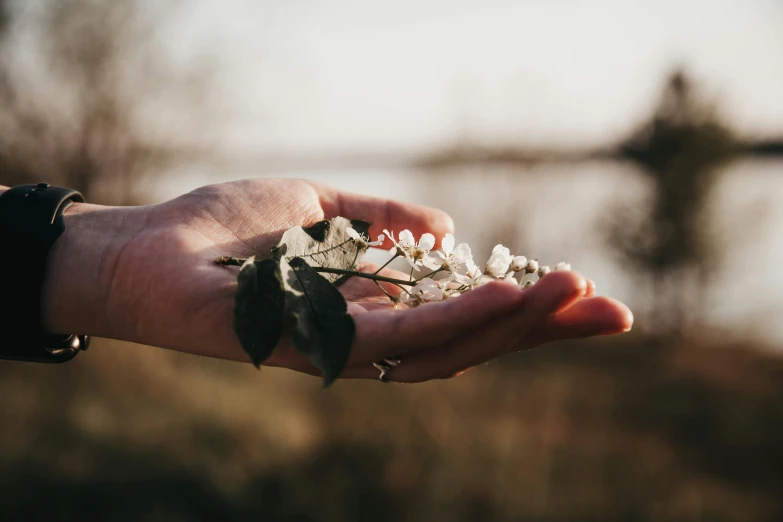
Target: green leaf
(325, 244)
(286, 286)
(259, 308)
(324, 331)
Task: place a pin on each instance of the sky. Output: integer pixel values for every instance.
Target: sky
(336, 76)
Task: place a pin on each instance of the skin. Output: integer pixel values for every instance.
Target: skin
(145, 274)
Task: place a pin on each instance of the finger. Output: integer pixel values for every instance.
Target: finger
(587, 318)
(552, 295)
(384, 333)
(589, 291)
(384, 213)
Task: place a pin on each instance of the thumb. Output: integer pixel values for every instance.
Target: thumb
(383, 213)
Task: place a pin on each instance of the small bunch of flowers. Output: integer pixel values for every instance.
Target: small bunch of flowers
(296, 285)
(453, 269)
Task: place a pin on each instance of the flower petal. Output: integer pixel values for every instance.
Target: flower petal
(498, 264)
(353, 234)
(447, 244)
(406, 239)
(461, 279)
(462, 253)
(429, 289)
(483, 280)
(431, 262)
(427, 241)
(500, 249)
(519, 263)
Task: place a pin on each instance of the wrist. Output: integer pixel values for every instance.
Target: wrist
(78, 272)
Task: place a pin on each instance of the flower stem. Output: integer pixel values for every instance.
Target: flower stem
(355, 257)
(384, 291)
(395, 256)
(429, 275)
(238, 261)
(365, 275)
(403, 289)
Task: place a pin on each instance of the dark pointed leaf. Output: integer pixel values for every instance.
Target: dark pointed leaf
(325, 244)
(259, 308)
(324, 331)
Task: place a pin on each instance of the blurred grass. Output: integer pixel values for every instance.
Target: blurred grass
(621, 429)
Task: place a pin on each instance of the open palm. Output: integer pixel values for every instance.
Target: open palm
(166, 290)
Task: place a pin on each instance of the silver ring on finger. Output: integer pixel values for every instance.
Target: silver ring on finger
(385, 366)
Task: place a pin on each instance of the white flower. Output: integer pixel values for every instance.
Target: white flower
(429, 289)
(473, 276)
(411, 300)
(510, 279)
(563, 266)
(528, 283)
(450, 293)
(543, 270)
(532, 266)
(361, 240)
(499, 261)
(449, 287)
(425, 291)
(416, 254)
(519, 263)
(454, 258)
(404, 245)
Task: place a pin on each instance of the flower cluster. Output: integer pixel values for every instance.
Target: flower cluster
(453, 269)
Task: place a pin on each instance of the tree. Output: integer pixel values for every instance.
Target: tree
(73, 76)
(679, 150)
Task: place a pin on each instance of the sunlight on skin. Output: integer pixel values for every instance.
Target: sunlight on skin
(146, 274)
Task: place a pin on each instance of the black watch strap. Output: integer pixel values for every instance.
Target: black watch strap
(31, 220)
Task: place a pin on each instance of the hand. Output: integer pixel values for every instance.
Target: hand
(145, 274)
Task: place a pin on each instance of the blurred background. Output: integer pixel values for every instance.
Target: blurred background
(640, 141)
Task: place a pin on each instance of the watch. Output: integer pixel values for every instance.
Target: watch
(31, 220)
